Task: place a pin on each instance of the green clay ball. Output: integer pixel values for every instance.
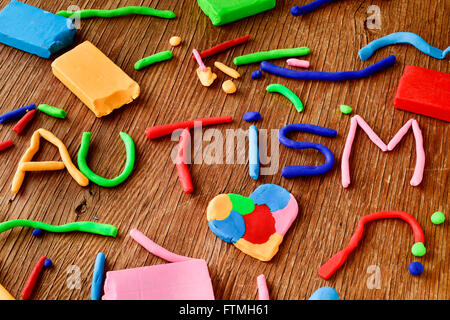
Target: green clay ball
(418, 249)
(438, 217)
(346, 109)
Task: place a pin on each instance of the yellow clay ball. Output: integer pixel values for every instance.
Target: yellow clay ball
(229, 87)
(175, 41)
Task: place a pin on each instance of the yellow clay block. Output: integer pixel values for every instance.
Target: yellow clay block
(4, 294)
(95, 79)
(206, 77)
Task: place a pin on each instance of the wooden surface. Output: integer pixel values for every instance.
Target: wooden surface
(152, 200)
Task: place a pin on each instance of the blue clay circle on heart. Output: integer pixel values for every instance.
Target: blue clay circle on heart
(231, 229)
(273, 196)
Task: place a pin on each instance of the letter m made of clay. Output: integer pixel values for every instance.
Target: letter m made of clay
(358, 121)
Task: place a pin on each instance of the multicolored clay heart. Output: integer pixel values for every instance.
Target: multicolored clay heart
(255, 225)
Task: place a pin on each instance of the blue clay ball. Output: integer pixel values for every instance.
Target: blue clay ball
(37, 232)
(415, 268)
(257, 74)
(252, 116)
(48, 263)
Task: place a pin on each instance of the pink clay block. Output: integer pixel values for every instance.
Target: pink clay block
(183, 279)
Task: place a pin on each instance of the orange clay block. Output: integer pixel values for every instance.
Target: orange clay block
(206, 77)
(95, 79)
(25, 163)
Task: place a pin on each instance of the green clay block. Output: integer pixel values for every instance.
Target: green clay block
(241, 204)
(269, 55)
(438, 217)
(346, 109)
(157, 57)
(90, 13)
(52, 111)
(82, 226)
(225, 11)
(418, 249)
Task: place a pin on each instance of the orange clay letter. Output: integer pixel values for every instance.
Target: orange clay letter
(25, 164)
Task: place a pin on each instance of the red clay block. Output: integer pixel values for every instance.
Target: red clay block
(424, 92)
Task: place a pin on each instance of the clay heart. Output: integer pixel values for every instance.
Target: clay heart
(255, 225)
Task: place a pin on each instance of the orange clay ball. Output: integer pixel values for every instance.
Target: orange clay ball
(229, 87)
(175, 41)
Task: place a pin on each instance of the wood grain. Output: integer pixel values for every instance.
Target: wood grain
(152, 200)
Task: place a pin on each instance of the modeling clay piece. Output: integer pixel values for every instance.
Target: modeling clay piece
(402, 37)
(358, 121)
(175, 41)
(424, 92)
(52, 111)
(97, 277)
(25, 161)
(328, 76)
(300, 171)
(34, 30)
(415, 268)
(199, 60)
(269, 55)
(166, 129)
(6, 144)
(229, 87)
(95, 178)
(263, 291)
(299, 10)
(16, 114)
(31, 282)
(90, 13)
(227, 70)
(222, 47)
(325, 293)
(38, 232)
(438, 218)
(253, 153)
(183, 279)
(20, 126)
(345, 109)
(251, 116)
(81, 226)
(298, 63)
(257, 74)
(5, 295)
(335, 262)
(95, 79)
(225, 11)
(157, 57)
(182, 161)
(255, 225)
(278, 88)
(206, 77)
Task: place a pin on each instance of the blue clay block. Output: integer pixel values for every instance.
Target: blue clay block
(34, 30)
(231, 229)
(16, 113)
(253, 153)
(257, 74)
(273, 196)
(325, 293)
(251, 116)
